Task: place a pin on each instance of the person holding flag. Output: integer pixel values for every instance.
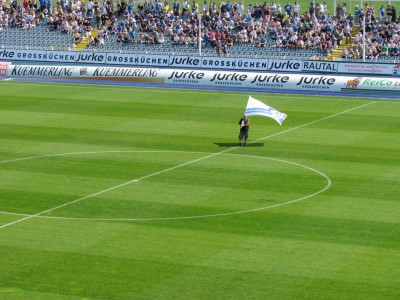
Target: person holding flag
(257, 108)
(244, 124)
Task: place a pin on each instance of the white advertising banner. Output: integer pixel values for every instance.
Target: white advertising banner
(383, 69)
(152, 60)
(287, 65)
(320, 66)
(369, 68)
(42, 55)
(185, 61)
(61, 56)
(201, 62)
(234, 79)
(356, 68)
(8, 54)
(234, 63)
(130, 59)
(91, 57)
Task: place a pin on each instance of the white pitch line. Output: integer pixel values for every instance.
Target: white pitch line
(109, 189)
(329, 183)
(310, 123)
(173, 168)
(66, 204)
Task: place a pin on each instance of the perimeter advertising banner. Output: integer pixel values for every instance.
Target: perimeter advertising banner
(201, 62)
(232, 79)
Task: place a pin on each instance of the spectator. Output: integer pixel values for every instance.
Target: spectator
(394, 50)
(345, 53)
(77, 37)
(288, 9)
(381, 13)
(224, 49)
(394, 14)
(389, 12)
(296, 9)
(385, 49)
(218, 47)
(229, 41)
(212, 38)
(205, 8)
(357, 13)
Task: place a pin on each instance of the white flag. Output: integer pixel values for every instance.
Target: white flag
(257, 108)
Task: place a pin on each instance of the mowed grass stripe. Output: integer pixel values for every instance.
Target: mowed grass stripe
(64, 174)
(340, 244)
(254, 256)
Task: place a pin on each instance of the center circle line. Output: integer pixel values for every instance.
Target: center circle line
(209, 154)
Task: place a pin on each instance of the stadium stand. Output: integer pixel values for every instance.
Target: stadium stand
(228, 30)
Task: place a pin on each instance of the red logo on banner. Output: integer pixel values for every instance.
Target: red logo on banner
(396, 70)
(3, 68)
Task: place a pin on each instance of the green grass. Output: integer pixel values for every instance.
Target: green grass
(341, 243)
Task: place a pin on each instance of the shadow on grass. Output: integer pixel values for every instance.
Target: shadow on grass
(236, 144)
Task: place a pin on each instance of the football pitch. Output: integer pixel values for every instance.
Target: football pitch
(142, 193)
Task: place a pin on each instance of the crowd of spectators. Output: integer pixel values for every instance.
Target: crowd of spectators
(262, 25)
(382, 34)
